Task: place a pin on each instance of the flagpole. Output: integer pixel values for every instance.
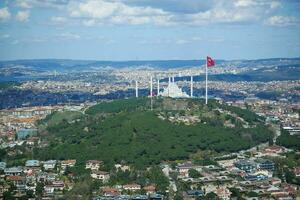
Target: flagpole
(206, 82)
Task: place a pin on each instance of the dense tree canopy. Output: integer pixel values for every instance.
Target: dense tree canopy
(137, 136)
(289, 141)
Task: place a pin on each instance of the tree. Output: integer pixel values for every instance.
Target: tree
(178, 196)
(271, 141)
(289, 141)
(157, 177)
(39, 188)
(173, 175)
(80, 189)
(96, 184)
(29, 193)
(194, 173)
(2, 154)
(9, 195)
(147, 139)
(210, 196)
(289, 175)
(235, 193)
(252, 194)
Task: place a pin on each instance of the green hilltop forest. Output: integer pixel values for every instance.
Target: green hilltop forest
(128, 131)
(288, 140)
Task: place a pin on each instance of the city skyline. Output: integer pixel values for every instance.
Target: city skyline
(149, 30)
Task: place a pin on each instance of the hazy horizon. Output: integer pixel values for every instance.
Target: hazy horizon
(145, 60)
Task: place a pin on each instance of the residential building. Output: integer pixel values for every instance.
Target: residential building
(49, 165)
(101, 175)
(132, 187)
(32, 163)
(13, 171)
(93, 164)
(246, 165)
(67, 163)
(265, 164)
(2, 165)
(223, 193)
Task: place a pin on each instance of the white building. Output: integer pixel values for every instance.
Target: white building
(132, 187)
(104, 176)
(49, 165)
(93, 164)
(173, 91)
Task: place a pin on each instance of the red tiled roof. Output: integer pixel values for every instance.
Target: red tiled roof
(297, 170)
(68, 162)
(149, 188)
(94, 161)
(109, 190)
(133, 185)
(14, 178)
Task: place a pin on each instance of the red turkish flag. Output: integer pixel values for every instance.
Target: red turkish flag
(210, 62)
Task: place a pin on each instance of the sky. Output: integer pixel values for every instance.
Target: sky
(149, 29)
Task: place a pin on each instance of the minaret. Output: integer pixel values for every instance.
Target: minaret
(136, 89)
(191, 86)
(151, 87)
(157, 87)
(151, 92)
(169, 86)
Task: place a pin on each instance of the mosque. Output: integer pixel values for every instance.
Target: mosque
(173, 90)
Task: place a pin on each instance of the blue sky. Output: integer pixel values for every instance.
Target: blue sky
(149, 29)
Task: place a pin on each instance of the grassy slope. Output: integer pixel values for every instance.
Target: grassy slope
(57, 117)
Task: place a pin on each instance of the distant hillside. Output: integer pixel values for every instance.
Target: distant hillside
(253, 70)
(63, 65)
(278, 73)
(7, 85)
(121, 132)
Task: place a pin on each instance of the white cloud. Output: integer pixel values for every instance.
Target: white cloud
(122, 12)
(38, 40)
(281, 21)
(4, 14)
(90, 22)
(22, 16)
(68, 36)
(181, 41)
(23, 3)
(4, 36)
(58, 19)
(26, 4)
(198, 39)
(220, 15)
(15, 42)
(115, 12)
(234, 11)
(245, 3)
(275, 4)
